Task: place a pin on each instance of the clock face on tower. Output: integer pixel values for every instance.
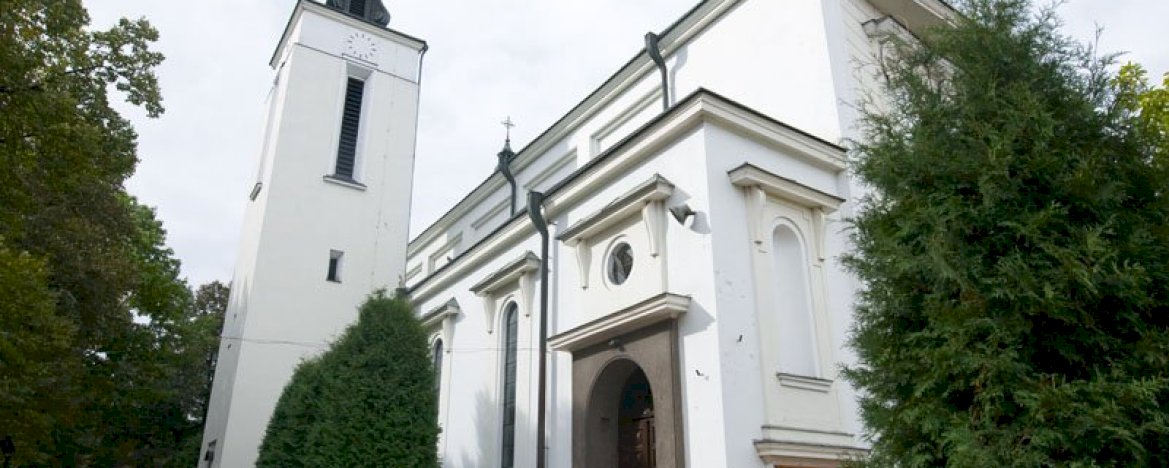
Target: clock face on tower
(361, 46)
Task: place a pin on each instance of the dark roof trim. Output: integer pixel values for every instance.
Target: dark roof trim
(640, 55)
(694, 96)
(521, 215)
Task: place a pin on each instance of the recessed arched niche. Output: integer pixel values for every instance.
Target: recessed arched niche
(797, 334)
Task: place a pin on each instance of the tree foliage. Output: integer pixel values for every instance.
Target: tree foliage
(99, 364)
(368, 401)
(1149, 103)
(1015, 252)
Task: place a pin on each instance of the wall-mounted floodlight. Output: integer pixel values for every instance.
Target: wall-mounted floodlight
(681, 212)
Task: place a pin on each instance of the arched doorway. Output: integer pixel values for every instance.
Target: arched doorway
(622, 430)
(635, 424)
(626, 398)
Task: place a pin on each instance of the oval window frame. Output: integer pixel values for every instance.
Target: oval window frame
(620, 244)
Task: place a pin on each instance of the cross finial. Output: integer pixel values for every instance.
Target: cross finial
(508, 124)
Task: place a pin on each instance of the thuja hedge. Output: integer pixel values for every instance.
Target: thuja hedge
(368, 401)
(1015, 254)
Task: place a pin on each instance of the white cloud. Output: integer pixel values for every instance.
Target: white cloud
(530, 59)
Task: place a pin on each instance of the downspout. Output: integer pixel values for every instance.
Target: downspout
(655, 53)
(535, 200)
(506, 156)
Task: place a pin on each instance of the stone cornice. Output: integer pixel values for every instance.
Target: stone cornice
(434, 317)
(507, 275)
(665, 306)
(787, 453)
(918, 15)
(656, 188)
(748, 175)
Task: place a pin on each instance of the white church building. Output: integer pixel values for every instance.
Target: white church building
(653, 281)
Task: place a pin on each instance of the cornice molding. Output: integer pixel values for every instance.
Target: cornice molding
(490, 289)
(786, 453)
(675, 36)
(699, 108)
(749, 175)
(918, 16)
(760, 183)
(438, 314)
(665, 306)
(647, 199)
(507, 275)
(319, 8)
(657, 188)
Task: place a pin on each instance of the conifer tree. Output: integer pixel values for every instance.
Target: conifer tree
(1014, 249)
(368, 401)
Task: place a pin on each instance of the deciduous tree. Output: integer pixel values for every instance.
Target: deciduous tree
(96, 349)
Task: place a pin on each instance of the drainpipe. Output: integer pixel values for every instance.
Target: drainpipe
(506, 156)
(655, 53)
(535, 200)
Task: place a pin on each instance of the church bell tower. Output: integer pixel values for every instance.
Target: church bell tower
(327, 219)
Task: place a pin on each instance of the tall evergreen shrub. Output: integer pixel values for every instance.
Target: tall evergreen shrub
(368, 401)
(1015, 254)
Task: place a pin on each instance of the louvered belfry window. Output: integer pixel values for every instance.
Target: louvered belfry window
(350, 122)
(357, 8)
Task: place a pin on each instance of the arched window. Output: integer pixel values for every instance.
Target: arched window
(797, 348)
(510, 340)
(437, 350)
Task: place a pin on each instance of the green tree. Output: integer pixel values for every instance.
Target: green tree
(1149, 103)
(368, 401)
(206, 326)
(1015, 254)
(34, 354)
(96, 342)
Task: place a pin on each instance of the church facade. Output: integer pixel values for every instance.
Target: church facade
(654, 281)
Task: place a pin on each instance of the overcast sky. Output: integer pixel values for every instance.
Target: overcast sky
(488, 59)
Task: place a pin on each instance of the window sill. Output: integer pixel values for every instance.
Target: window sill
(804, 382)
(344, 182)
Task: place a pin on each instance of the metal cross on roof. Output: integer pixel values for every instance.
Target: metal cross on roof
(508, 124)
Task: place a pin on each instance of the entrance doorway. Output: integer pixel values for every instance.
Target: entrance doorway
(636, 431)
(625, 402)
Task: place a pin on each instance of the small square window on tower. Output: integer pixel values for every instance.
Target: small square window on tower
(334, 273)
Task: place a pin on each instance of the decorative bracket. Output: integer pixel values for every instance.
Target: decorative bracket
(647, 199)
(760, 183)
(756, 201)
(492, 287)
(446, 315)
(584, 254)
(654, 215)
(819, 222)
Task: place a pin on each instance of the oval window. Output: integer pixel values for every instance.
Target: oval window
(620, 263)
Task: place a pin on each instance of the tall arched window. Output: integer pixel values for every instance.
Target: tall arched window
(797, 344)
(437, 368)
(510, 340)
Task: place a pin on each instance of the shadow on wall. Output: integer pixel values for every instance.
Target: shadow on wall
(487, 427)
(698, 222)
(682, 55)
